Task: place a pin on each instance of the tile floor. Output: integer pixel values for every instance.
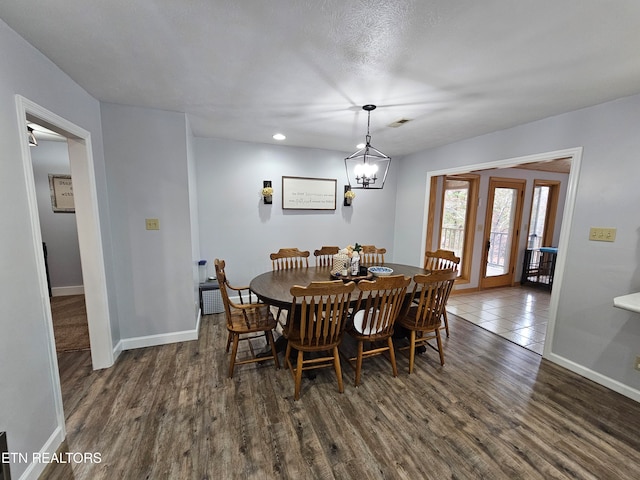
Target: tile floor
(519, 314)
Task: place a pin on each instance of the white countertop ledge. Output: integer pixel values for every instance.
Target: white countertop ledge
(628, 302)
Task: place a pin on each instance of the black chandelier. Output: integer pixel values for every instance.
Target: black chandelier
(368, 167)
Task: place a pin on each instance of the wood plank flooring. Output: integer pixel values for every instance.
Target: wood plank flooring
(70, 327)
(494, 411)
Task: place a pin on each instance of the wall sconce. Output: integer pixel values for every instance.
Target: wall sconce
(267, 192)
(349, 195)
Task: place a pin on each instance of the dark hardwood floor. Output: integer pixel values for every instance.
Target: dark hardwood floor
(494, 411)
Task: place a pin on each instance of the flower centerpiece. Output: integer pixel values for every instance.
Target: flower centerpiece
(342, 261)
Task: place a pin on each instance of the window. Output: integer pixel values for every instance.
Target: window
(543, 214)
(458, 217)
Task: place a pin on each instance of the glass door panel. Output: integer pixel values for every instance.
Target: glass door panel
(504, 213)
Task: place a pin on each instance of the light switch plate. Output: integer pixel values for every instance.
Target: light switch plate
(601, 234)
(153, 224)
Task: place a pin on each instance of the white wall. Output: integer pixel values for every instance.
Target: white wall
(59, 230)
(590, 336)
(147, 173)
(235, 224)
(28, 393)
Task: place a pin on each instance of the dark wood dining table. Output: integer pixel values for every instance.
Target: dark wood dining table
(274, 287)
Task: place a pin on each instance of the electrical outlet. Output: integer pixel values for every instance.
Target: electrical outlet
(600, 234)
(153, 224)
(637, 364)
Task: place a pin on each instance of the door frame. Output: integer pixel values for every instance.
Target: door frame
(506, 279)
(437, 186)
(89, 232)
(575, 154)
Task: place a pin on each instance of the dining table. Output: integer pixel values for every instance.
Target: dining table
(274, 287)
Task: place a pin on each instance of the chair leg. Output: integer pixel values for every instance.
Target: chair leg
(287, 362)
(412, 350)
(392, 357)
(300, 362)
(228, 341)
(440, 351)
(336, 365)
(359, 362)
(271, 341)
(234, 352)
(446, 322)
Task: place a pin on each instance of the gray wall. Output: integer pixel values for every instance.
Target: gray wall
(590, 334)
(59, 230)
(235, 224)
(27, 396)
(147, 173)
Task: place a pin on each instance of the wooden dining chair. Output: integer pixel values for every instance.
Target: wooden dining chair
(287, 258)
(423, 320)
(324, 256)
(441, 260)
(247, 319)
(371, 255)
(316, 323)
(375, 314)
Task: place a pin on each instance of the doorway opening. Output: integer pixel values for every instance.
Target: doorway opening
(89, 239)
(542, 165)
(58, 227)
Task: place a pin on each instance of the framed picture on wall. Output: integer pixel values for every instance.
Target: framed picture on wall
(303, 193)
(61, 193)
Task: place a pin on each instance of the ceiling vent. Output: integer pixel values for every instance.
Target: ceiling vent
(399, 123)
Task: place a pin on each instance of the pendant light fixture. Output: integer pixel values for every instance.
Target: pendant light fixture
(367, 167)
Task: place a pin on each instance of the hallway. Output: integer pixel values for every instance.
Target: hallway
(519, 314)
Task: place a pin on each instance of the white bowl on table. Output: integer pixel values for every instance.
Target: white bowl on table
(380, 271)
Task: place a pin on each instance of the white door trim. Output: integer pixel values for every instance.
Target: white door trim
(567, 218)
(89, 232)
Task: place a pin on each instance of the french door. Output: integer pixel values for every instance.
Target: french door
(502, 231)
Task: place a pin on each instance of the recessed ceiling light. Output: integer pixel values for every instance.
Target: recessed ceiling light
(279, 136)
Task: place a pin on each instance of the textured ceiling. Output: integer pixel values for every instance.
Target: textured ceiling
(248, 69)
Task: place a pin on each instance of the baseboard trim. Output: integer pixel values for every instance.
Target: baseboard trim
(64, 291)
(159, 339)
(600, 379)
(117, 350)
(35, 469)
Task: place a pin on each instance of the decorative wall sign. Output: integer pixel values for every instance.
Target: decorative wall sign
(61, 193)
(302, 193)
